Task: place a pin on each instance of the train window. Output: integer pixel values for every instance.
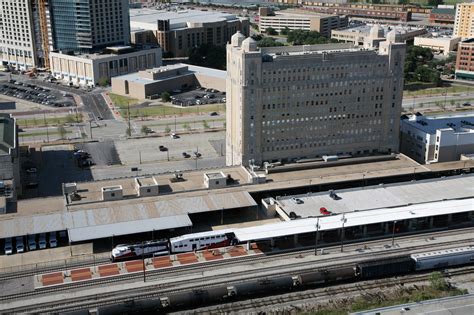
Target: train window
(213, 237)
(207, 238)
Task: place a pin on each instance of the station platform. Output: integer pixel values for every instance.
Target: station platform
(134, 266)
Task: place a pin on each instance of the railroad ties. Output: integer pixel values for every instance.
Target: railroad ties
(69, 277)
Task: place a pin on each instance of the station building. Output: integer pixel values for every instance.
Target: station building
(290, 103)
(465, 60)
(433, 139)
(438, 44)
(178, 31)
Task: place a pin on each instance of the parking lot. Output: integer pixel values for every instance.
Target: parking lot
(198, 96)
(148, 149)
(36, 94)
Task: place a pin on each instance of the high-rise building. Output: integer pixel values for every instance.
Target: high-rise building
(17, 34)
(464, 20)
(291, 103)
(89, 25)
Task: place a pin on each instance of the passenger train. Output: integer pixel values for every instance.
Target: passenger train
(176, 245)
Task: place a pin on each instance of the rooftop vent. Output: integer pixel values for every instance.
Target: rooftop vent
(112, 193)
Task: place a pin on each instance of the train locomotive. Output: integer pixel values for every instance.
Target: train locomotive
(176, 245)
(364, 270)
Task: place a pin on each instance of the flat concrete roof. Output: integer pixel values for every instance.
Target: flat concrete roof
(429, 124)
(192, 70)
(147, 18)
(453, 305)
(381, 196)
(365, 29)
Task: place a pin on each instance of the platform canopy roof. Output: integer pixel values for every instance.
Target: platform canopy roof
(332, 222)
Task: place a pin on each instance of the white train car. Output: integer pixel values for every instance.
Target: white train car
(444, 258)
(203, 240)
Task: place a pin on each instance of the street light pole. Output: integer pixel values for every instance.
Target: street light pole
(316, 238)
(342, 231)
(393, 233)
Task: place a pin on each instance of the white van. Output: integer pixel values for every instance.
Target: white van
(31, 242)
(20, 247)
(42, 241)
(8, 246)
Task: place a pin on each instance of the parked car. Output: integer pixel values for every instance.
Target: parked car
(466, 104)
(53, 242)
(42, 241)
(32, 185)
(8, 246)
(162, 148)
(324, 211)
(32, 170)
(20, 247)
(297, 200)
(214, 114)
(174, 136)
(186, 155)
(31, 242)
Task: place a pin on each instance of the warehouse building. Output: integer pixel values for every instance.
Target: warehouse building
(437, 138)
(178, 31)
(290, 103)
(10, 185)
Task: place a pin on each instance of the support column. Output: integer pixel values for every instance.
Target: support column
(410, 224)
(431, 222)
(272, 242)
(295, 239)
(364, 231)
(386, 230)
(450, 218)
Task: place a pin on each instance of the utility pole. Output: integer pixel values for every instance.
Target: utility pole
(343, 219)
(46, 124)
(393, 233)
(174, 123)
(129, 123)
(90, 127)
(316, 238)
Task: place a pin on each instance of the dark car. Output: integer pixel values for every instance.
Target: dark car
(214, 114)
(162, 148)
(186, 155)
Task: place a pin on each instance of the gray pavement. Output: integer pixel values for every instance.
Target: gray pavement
(102, 153)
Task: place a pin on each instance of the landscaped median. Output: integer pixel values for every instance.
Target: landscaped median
(137, 110)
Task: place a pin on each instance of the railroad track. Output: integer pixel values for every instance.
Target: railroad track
(164, 289)
(152, 275)
(289, 253)
(330, 292)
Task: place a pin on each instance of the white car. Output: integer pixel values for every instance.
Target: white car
(31, 242)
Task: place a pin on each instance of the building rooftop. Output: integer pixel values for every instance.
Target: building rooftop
(365, 29)
(298, 14)
(429, 124)
(109, 52)
(7, 133)
(443, 11)
(384, 196)
(147, 18)
(192, 70)
(332, 222)
(312, 49)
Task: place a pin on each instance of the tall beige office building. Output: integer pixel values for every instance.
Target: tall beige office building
(17, 35)
(464, 20)
(291, 103)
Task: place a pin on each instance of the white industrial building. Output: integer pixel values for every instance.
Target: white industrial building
(437, 138)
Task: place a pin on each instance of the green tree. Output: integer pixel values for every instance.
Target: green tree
(268, 42)
(438, 282)
(62, 132)
(145, 130)
(103, 82)
(165, 96)
(205, 124)
(270, 31)
(285, 31)
(303, 37)
(186, 126)
(70, 118)
(167, 129)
